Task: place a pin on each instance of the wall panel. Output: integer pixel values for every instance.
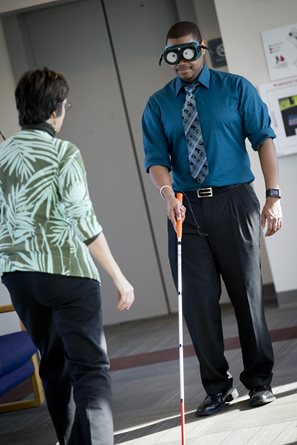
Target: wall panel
(72, 38)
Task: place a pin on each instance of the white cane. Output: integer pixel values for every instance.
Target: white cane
(180, 323)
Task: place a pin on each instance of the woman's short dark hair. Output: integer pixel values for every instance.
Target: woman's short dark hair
(181, 29)
(38, 94)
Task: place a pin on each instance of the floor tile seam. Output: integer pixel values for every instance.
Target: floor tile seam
(164, 355)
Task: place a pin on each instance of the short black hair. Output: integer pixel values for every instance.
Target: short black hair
(181, 29)
(38, 94)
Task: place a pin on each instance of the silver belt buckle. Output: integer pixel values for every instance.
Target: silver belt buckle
(205, 193)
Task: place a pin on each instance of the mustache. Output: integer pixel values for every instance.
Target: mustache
(183, 66)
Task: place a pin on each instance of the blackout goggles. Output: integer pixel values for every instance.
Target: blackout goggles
(173, 54)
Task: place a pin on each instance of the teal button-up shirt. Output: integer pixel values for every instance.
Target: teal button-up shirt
(230, 110)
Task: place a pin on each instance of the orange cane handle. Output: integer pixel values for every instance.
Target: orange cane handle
(179, 223)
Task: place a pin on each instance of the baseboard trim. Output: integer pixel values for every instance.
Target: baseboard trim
(269, 292)
(287, 298)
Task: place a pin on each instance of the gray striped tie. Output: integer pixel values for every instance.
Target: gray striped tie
(196, 151)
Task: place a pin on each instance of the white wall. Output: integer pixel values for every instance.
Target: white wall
(241, 22)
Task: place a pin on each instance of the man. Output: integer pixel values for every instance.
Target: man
(195, 127)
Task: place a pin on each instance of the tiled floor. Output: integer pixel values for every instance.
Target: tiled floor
(146, 398)
(146, 390)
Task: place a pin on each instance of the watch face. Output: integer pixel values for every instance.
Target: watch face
(275, 193)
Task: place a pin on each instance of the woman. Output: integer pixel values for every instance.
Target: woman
(48, 231)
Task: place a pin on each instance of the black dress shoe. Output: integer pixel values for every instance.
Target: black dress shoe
(261, 395)
(214, 403)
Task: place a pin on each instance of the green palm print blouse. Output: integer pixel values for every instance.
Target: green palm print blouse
(46, 215)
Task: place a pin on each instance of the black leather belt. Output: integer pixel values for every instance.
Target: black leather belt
(210, 192)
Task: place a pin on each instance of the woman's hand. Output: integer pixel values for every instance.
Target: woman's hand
(101, 252)
(125, 293)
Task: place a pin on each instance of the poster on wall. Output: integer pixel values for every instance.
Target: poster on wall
(281, 99)
(280, 47)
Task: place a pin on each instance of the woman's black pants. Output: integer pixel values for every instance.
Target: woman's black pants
(226, 245)
(63, 317)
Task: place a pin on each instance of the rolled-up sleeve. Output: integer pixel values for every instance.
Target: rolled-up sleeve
(256, 119)
(154, 140)
(75, 197)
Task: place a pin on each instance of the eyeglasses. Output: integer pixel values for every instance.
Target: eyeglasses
(67, 105)
(173, 54)
(2, 135)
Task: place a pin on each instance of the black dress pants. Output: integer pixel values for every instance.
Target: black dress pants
(231, 251)
(63, 317)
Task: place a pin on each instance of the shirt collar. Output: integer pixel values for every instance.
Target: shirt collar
(44, 126)
(203, 80)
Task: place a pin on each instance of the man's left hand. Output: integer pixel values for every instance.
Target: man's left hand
(272, 216)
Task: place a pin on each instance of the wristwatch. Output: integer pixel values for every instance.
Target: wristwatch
(274, 193)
